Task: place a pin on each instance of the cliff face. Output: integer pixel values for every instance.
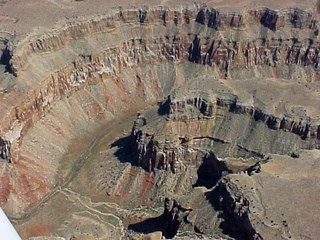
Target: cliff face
(5, 150)
(239, 205)
(235, 208)
(128, 58)
(197, 124)
(208, 109)
(181, 36)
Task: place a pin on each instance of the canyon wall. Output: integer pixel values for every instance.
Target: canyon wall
(198, 124)
(80, 53)
(77, 77)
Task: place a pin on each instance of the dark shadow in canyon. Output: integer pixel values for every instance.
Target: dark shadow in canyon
(230, 225)
(210, 171)
(168, 223)
(148, 226)
(5, 58)
(124, 150)
(164, 107)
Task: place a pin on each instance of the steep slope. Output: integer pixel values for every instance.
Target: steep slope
(241, 84)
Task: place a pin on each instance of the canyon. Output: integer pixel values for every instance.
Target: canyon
(175, 121)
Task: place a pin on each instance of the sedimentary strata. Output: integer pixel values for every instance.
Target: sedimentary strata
(180, 35)
(67, 82)
(209, 119)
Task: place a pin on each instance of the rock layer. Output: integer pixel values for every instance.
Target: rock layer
(65, 83)
(204, 124)
(184, 40)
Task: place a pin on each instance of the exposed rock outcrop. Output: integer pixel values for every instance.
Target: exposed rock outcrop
(131, 57)
(68, 82)
(232, 216)
(229, 55)
(173, 216)
(235, 209)
(5, 150)
(162, 149)
(208, 108)
(269, 19)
